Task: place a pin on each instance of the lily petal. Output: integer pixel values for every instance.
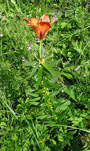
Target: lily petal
(30, 23)
(44, 18)
(53, 20)
(43, 26)
(36, 30)
(26, 19)
(34, 20)
(45, 35)
(40, 27)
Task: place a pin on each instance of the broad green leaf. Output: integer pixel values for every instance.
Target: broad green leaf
(63, 106)
(47, 57)
(70, 92)
(53, 142)
(47, 66)
(56, 92)
(60, 138)
(38, 81)
(56, 77)
(63, 24)
(55, 62)
(78, 46)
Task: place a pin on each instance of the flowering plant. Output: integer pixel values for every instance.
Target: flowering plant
(41, 28)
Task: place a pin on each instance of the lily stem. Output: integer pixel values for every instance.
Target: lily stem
(40, 50)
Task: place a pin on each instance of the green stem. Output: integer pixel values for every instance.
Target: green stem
(40, 51)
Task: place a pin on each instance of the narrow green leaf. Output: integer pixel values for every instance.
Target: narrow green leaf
(33, 71)
(34, 103)
(4, 102)
(30, 63)
(36, 99)
(42, 117)
(39, 76)
(32, 94)
(10, 108)
(67, 75)
(66, 126)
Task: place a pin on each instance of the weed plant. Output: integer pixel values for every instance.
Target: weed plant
(45, 107)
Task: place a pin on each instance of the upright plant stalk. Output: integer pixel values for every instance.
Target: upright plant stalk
(40, 50)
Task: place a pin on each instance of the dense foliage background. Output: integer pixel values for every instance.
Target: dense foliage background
(40, 110)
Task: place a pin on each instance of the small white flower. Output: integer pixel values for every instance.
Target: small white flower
(62, 84)
(1, 35)
(62, 91)
(54, 17)
(26, 42)
(38, 41)
(77, 68)
(28, 47)
(34, 54)
(44, 56)
(23, 59)
(1, 16)
(84, 75)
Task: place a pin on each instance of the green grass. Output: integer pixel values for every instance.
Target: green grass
(45, 105)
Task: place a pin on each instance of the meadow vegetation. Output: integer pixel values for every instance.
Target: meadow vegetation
(45, 104)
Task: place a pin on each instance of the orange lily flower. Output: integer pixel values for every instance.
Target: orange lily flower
(41, 26)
